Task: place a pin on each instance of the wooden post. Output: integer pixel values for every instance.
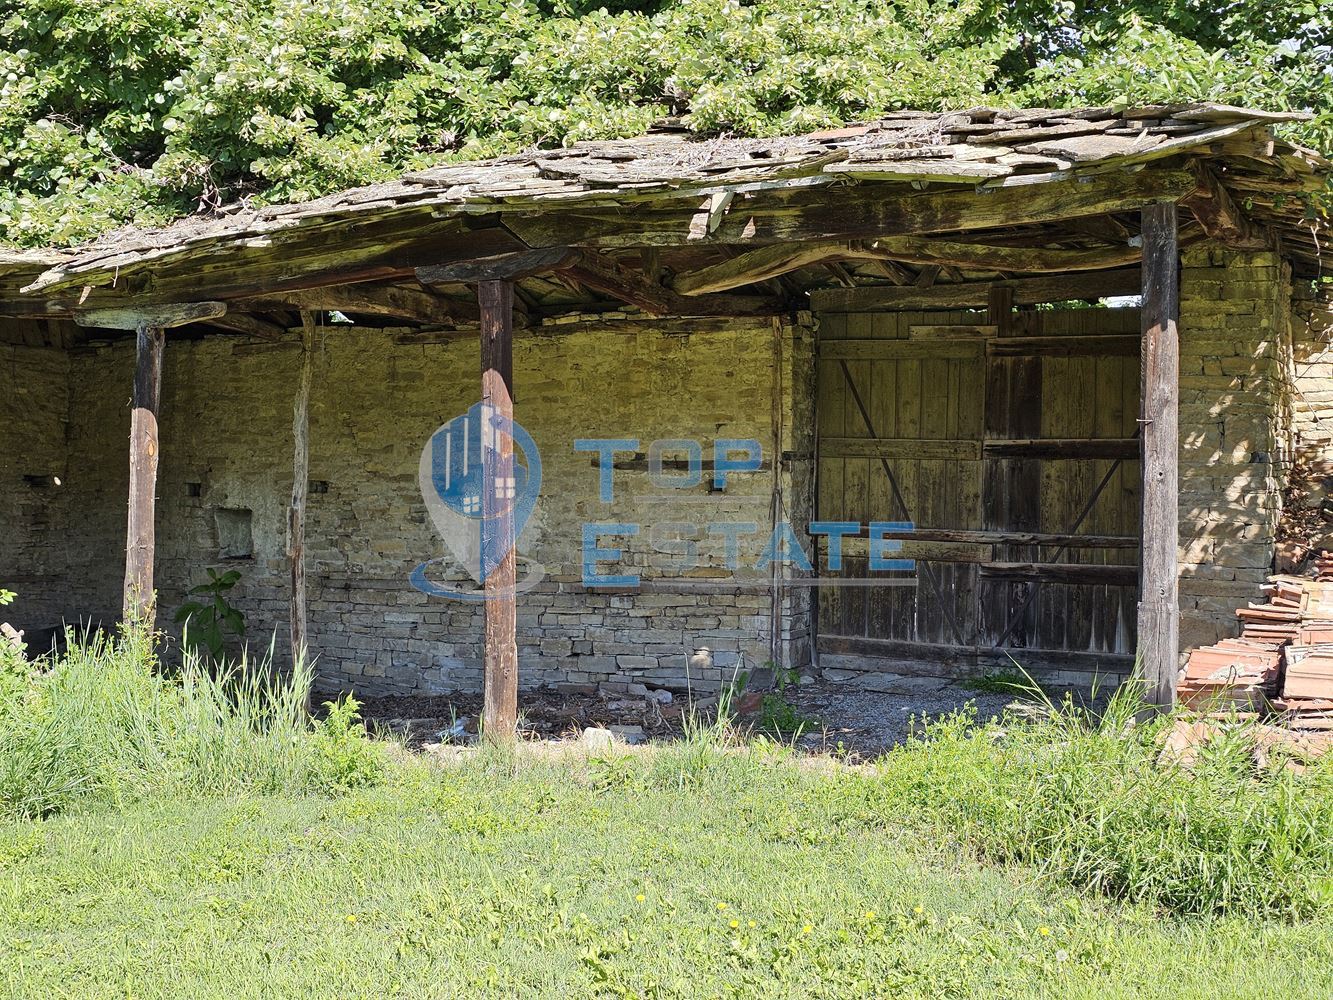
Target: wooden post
(500, 705)
(139, 599)
(300, 483)
(1159, 598)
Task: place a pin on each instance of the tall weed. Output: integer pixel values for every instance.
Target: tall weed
(104, 723)
(1087, 799)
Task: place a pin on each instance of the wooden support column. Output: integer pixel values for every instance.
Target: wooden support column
(149, 325)
(300, 484)
(1159, 598)
(139, 599)
(500, 706)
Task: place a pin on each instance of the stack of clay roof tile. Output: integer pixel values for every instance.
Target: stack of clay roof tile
(1307, 686)
(1283, 657)
(1323, 567)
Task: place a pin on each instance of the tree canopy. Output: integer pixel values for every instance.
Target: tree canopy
(115, 111)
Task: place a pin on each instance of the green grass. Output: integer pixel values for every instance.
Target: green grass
(480, 880)
(199, 836)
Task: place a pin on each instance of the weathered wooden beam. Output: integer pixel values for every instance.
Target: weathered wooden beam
(500, 681)
(159, 317)
(601, 274)
(1159, 597)
(393, 301)
(1039, 538)
(767, 262)
(885, 349)
(1221, 218)
(974, 295)
(1062, 448)
(1108, 574)
(139, 604)
(251, 326)
(1066, 346)
(908, 449)
(501, 267)
(869, 211)
(387, 247)
(300, 485)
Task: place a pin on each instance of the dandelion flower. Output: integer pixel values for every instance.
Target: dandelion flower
(870, 914)
(640, 898)
(735, 924)
(1044, 931)
(918, 910)
(721, 906)
(351, 918)
(807, 929)
(750, 923)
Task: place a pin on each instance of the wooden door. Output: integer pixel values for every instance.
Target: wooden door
(1014, 453)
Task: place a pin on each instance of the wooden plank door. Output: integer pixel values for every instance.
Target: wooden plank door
(1008, 448)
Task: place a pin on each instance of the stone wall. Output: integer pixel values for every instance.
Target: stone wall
(1234, 338)
(34, 408)
(1312, 385)
(225, 481)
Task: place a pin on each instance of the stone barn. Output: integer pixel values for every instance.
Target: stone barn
(923, 394)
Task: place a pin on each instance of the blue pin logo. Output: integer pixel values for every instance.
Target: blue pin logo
(453, 479)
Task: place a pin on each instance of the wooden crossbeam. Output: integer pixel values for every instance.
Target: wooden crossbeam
(803, 214)
(391, 301)
(1219, 215)
(157, 317)
(975, 294)
(767, 262)
(250, 325)
(601, 274)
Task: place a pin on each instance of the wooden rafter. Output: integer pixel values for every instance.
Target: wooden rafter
(250, 325)
(392, 301)
(601, 274)
(1219, 215)
(804, 214)
(767, 262)
(974, 294)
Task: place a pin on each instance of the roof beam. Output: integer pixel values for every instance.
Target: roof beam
(1221, 218)
(252, 326)
(392, 301)
(869, 211)
(160, 317)
(767, 262)
(601, 274)
(974, 294)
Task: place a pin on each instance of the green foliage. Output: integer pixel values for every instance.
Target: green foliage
(343, 758)
(1086, 799)
(103, 724)
(207, 621)
(142, 110)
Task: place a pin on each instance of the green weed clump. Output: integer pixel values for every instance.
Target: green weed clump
(1091, 801)
(102, 722)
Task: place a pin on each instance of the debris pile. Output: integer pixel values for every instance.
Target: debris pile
(1282, 661)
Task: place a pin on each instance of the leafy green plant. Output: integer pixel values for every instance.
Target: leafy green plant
(343, 758)
(207, 621)
(102, 723)
(137, 111)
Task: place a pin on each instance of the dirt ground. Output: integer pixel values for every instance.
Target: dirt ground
(833, 717)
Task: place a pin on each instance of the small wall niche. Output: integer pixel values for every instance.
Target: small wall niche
(235, 537)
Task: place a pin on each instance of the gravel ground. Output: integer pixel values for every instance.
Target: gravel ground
(846, 717)
(866, 722)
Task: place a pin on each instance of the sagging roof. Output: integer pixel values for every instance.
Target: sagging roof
(1006, 178)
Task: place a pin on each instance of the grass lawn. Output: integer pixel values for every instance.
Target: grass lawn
(690, 874)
